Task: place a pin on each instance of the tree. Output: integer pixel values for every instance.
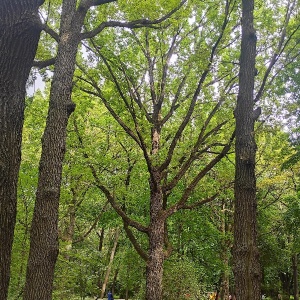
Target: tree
(246, 260)
(173, 130)
(247, 270)
(20, 29)
(44, 232)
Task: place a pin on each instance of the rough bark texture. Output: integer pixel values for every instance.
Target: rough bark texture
(44, 228)
(247, 273)
(154, 269)
(19, 36)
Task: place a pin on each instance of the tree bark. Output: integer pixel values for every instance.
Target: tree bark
(154, 269)
(247, 273)
(19, 35)
(44, 229)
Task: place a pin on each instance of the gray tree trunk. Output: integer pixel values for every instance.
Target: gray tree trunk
(19, 35)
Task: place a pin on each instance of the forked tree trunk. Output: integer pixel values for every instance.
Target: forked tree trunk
(19, 36)
(247, 273)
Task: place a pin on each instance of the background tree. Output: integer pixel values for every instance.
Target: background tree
(158, 111)
(20, 29)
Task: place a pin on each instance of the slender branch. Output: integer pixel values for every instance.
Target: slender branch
(99, 94)
(106, 192)
(174, 104)
(188, 115)
(166, 67)
(81, 238)
(151, 64)
(182, 202)
(135, 243)
(129, 107)
(131, 24)
(195, 154)
(281, 46)
(200, 203)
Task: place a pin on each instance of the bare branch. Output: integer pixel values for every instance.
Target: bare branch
(98, 93)
(200, 203)
(182, 202)
(166, 67)
(195, 154)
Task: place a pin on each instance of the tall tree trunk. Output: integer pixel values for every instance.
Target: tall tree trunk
(247, 273)
(111, 259)
(154, 269)
(19, 35)
(295, 276)
(44, 229)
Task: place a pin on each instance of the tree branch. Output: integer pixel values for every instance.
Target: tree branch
(135, 243)
(81, 238)
(131, 24)
(182, 202)
(99, 94)
(281, 46)
(41, 64)
(188, 115)
(106, 192)
(51, 32)
(90, 3)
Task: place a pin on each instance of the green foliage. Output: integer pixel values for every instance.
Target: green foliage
(181, 280)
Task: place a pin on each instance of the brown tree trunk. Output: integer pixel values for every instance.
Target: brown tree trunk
(295, 276)
(247, 273)
(44, 229)
(19, 35)
(154, 269)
